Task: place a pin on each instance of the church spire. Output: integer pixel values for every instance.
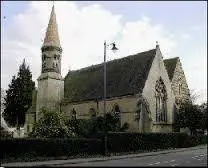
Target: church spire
(52, 37)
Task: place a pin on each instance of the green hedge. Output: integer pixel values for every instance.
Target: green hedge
(126, 142)
(49, 147)
(116, 142)
(195, 140)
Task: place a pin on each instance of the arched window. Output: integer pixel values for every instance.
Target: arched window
(116, 110)
(74, 114)
(161, 101)
(92, 112)
(117, 113)
(138, 111)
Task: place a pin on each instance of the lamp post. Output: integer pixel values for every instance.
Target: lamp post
(113, 49)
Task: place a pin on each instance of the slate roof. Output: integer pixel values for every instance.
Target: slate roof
(125, 76)
(170, 65)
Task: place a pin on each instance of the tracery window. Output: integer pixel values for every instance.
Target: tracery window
(161, 101)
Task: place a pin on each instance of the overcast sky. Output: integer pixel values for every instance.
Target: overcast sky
(179, 27)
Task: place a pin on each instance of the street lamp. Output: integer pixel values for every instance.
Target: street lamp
(113, 49)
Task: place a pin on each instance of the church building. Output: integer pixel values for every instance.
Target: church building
(143, 89)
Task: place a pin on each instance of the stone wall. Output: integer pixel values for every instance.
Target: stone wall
(29, 121)
(179, 78)
(50, 92)
(127, 105)
(158, 70)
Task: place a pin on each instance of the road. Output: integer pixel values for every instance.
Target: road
(188, 158)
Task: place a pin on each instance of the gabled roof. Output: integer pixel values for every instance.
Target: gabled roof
(170, 65)
(124, 76)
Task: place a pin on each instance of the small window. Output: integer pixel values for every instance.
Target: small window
(74, 114)
(116, 111)
(180, 88)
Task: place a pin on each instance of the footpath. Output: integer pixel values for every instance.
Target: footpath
(84, 160)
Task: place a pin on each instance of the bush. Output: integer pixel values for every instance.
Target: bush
(89, 128)
(50, 125)
(150, 141)
(116, 142)
(49, 147)
(195, 140)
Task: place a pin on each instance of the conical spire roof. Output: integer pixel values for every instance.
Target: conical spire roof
(52, 37)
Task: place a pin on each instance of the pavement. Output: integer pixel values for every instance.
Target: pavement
(142, 159)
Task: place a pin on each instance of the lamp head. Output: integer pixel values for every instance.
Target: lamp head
(114, 48)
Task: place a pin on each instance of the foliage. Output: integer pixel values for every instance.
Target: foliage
(93, 127)
(190, 116)
(79, 127)
(19, 97)
(203, 108)
(37, 147)
(128, 142)
(5, 134)
(116, 142)
(50, 125)
(150, 141)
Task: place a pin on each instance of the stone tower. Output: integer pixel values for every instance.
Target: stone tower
(50, 82)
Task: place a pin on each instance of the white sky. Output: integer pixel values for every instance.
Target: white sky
(83, 29)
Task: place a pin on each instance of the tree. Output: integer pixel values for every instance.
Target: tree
(190, 116)
(19, 97)
(203, 108)
(50, 125)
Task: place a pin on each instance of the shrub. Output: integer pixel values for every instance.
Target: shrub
(50, 125)
(93, 127)
(116, 142)
(49, 147)
(149, 141)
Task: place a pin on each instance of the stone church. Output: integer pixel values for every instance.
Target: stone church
(143, 89)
